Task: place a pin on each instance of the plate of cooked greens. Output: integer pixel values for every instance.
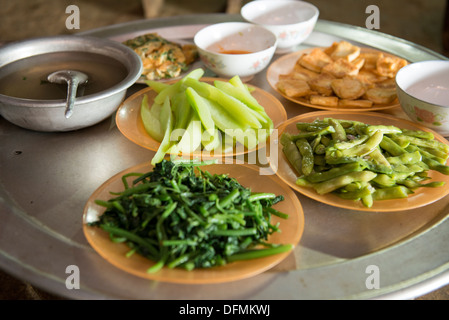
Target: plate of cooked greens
(193, 221)
(200, 117)
(363, 161)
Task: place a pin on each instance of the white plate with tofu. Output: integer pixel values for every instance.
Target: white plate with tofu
(340, 77)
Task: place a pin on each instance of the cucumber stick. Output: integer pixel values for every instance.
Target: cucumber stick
(165, 145)
(191, 115)
(151, 119)
(202, 109)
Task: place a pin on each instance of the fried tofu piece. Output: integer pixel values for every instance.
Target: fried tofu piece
(330, 49)
(293, 76)
(348, 88)
(381, 95)
(370, 59)
(294, 88)
(388, 83)
(322, 84)
(359, 103)
(324, 101)
(369, 78)
(343, 50)
(300, 72)
(388, 66)
(315, 60)
(341, 68)
(358, 63)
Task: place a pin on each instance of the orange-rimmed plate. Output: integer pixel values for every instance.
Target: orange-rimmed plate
(249, 176)
(421, 196)
(285, 64)
(130, 124)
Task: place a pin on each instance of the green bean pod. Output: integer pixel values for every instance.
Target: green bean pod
(396, 192)
(292, 154)
(341, 181)
(307, 156)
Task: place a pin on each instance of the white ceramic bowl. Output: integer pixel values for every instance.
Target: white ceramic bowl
(235, 48)
(423, 92)
(49, 115)
(290, 20)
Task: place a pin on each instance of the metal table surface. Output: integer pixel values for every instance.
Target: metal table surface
(46, 179)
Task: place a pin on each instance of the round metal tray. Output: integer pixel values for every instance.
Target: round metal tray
(46, 179)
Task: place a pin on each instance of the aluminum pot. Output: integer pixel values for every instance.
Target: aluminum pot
(49, 115)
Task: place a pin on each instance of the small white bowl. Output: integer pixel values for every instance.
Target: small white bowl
(290, 20)
(235, 48)
(423, 92)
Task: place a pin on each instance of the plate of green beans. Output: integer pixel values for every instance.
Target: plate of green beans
(193, 222)
(363, 161)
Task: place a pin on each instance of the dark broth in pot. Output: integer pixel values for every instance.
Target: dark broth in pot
(27, 78)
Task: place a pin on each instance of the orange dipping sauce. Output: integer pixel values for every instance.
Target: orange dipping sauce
(235, 51)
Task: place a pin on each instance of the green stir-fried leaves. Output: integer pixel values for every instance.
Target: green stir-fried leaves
(179, 215)
(358, 161)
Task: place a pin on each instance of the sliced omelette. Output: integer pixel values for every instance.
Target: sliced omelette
(161, 58)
